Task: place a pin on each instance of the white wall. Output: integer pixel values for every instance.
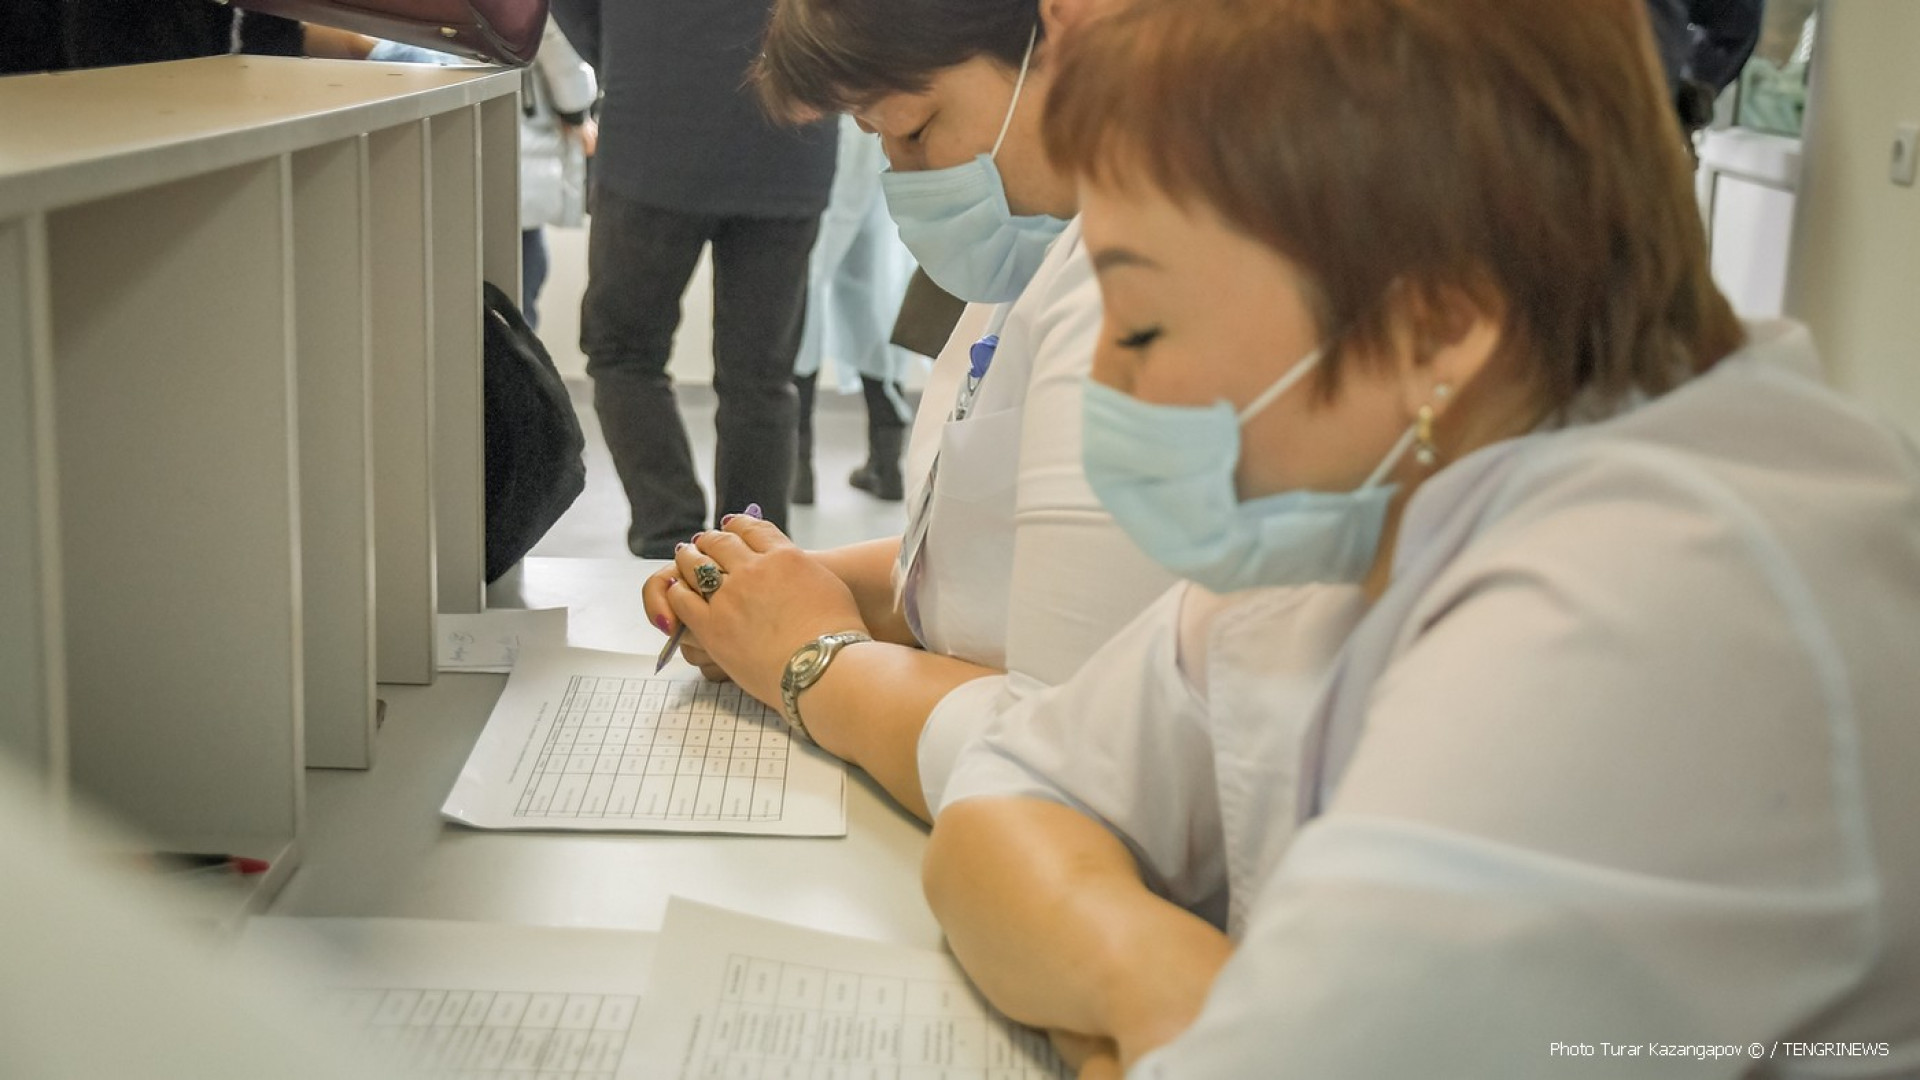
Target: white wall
(1855, 276)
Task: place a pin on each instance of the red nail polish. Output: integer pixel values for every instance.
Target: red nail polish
(724, 518)
(661, 622)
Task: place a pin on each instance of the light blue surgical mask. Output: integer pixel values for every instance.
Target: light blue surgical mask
(1165, 472)
(957, 222)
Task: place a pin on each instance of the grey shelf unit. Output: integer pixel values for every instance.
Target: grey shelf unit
(240, 427)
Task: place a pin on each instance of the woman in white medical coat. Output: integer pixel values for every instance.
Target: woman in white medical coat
(1011, 573)
(1582, 739)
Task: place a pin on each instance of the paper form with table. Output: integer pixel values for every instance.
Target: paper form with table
(713, 996)
(475, 1000)
(754, 998)
(587, 740)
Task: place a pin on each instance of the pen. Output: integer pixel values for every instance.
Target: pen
(187, 861)
(673, 642)
(979, 358)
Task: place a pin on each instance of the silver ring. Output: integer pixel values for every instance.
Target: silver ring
(707, 578)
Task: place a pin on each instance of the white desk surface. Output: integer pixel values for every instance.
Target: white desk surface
(376, 845)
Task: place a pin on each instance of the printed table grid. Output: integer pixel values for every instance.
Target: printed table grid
(785, 1021)
(674, 749)
(491, 1035)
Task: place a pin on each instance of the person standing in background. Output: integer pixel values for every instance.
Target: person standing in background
(1703, 44)
(688, 159)
(860, 271)
(557, 136)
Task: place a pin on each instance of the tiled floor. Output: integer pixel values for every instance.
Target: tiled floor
(596, 525)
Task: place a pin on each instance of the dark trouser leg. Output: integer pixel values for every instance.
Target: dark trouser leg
(886, 430)
(803, 386)
(639, 259)
(759, 301)
(533, 274)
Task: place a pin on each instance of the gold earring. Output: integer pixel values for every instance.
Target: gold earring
(1424, 451)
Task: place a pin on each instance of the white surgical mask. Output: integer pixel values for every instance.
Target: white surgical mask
(1165, 472)
(957, 222)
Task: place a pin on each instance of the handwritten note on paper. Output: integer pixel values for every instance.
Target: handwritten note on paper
(758, 998)
(491, 640)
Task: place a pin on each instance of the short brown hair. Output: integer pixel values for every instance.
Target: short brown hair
(1402, 153)
(838, 55)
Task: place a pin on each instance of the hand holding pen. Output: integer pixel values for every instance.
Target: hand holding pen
(706, 588)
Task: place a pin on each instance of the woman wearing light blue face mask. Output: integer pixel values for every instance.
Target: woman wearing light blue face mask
(1579, 711)
(1010, 572)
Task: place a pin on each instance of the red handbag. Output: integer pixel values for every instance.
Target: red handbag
(497, 31)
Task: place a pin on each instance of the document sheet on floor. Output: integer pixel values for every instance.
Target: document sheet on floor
(586, 740)
(754, 998)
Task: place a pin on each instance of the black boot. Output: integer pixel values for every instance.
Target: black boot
(886, 431)
(802, 489)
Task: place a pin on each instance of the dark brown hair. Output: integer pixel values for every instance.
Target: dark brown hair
(837, 55)
(1405, 155)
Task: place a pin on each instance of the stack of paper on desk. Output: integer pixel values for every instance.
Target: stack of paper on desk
(595, 741)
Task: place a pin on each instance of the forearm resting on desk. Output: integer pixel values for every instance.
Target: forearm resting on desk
(872, 704)
(1047, 912)
(867, 570)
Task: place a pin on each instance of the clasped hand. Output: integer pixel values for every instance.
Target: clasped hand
(773, 599)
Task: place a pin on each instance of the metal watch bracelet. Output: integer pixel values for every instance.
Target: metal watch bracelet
(804, 668)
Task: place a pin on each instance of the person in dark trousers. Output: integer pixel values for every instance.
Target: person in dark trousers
(687, 159)
(1703, 45)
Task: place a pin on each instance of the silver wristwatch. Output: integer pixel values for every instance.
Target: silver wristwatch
(805, 667)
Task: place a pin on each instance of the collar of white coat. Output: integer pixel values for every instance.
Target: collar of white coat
(1780, 344)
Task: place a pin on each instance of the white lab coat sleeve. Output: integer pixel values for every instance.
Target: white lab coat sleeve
(580, 21)
(1124, 742)
(571, 87)
(1607, 792)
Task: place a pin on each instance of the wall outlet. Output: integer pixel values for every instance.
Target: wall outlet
(1906, 149)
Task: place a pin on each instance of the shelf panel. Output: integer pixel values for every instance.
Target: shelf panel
(458, 488)
(178, 501)
(122, 129)
(32, 653)
(402, 264)
(500, 193)
(334, 355)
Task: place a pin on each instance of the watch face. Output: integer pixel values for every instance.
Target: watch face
(809, 655)
(801, 669)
